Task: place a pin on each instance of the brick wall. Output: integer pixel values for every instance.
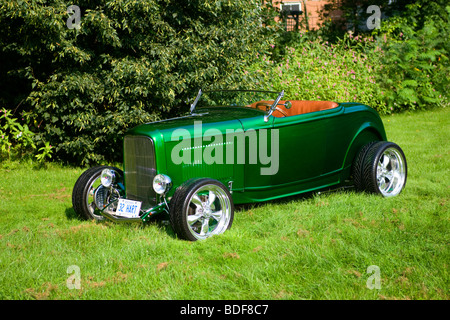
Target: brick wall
(312, 7)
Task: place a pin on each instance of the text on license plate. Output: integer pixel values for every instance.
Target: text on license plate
(128, 208)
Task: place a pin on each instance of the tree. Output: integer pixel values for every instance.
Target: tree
(131, 61)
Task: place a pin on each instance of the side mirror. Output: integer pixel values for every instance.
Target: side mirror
(287, 104)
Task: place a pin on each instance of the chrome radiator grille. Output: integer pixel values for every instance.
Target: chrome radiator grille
(140, 169)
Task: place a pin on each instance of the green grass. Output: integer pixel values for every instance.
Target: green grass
(317, 246)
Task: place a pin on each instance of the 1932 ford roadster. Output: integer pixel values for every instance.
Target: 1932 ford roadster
(240, 147)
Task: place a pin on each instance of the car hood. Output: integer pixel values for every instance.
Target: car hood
(220, 118)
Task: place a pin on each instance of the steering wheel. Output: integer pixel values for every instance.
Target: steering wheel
(268, 105)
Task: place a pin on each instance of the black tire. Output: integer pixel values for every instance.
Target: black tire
(358, 164)
(195, 215)
(82, 194)
(384, 169)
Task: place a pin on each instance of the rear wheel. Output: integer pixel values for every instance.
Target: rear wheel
(383, 169)
(201, 208)
(357, 170)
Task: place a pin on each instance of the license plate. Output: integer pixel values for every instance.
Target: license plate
(128, 208)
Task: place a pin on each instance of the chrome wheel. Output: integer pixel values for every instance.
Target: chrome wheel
(89, 195)
(381, 169)
(391, 172)
(90, 198)
(209, 212)
(201, 208)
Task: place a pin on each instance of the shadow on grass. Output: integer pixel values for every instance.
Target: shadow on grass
(298, 197)
(71, 214)
(161, 221)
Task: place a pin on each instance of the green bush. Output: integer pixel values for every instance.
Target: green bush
(132, 61)
(415, 59)
(18, 141)
(16, 138)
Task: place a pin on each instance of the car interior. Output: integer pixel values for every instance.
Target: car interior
(298, 107)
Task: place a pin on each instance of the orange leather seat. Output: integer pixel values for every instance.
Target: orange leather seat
(298, 107)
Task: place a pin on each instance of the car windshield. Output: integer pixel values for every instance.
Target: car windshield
(235, 98)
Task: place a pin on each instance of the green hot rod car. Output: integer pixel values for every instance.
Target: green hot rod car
(238, 147)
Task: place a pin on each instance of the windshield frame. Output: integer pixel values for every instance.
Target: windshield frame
(266, 116)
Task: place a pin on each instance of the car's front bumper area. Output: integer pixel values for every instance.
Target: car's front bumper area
(144, 215)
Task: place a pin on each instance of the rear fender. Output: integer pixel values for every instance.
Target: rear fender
(366, 133)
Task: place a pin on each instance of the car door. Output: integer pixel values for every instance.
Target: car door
(305, 142)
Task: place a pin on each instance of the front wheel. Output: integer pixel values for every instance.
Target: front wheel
(88, 193)
(201, 208)
(384, 169)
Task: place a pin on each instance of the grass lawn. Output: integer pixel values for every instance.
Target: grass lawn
(317, 246)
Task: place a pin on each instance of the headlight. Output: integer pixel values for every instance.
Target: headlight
(161, 183)
(108, 177)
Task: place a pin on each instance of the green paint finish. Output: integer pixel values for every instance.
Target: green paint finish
(315, 150)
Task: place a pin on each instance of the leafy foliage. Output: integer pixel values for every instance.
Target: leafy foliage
(130, 62)
(17, 141)
(317, 70)
(415, 58)
(353, 14)
(404, 65)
